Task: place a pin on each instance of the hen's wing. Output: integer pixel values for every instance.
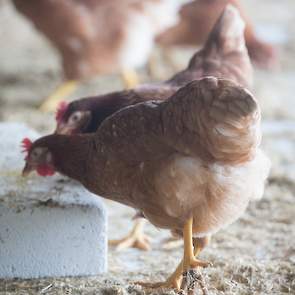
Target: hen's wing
(213, 119)
(224, 54)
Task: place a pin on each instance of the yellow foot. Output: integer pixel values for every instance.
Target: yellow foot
(135, 239)
(176, 279)
(171, 283)
(50, 104)
(130, 78)
(184, 277)
(194, 263)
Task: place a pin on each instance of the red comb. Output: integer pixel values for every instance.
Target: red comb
(26, 144)
(61, 109)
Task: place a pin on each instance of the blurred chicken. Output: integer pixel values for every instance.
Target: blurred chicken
(189, 164)
(97, 37)
(86, 114)
(224, 55)
(197, 20)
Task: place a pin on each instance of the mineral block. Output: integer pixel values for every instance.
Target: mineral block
(49, 226)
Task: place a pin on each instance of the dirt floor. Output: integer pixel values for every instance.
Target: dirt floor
(256, 255)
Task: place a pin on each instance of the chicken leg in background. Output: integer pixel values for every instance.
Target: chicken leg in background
(98, 37)
(224, 55)
(197, 20)
(190, 164)
(135, 239)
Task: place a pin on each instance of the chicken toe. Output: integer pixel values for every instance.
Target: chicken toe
(135, 239)
(173, 282)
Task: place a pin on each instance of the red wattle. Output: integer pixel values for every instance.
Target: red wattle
(45, 170)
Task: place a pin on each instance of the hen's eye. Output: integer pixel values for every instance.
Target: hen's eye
(75, 117)
(35, 153)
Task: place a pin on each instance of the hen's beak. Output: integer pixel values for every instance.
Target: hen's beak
(62, 129)
(27, 170)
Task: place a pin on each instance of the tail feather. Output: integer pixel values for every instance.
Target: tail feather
(213, 118)
(225, 55)
(228, 32)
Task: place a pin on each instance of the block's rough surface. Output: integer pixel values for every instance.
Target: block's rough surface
(48, 226)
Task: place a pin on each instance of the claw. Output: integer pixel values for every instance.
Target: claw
(135, 239)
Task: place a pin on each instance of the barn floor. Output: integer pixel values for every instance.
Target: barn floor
(256, 255)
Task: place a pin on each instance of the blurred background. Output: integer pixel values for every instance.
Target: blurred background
(256, 255)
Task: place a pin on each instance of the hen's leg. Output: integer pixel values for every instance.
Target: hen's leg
(135, 239)
(189, 261)
(50, 104)
(130, 78)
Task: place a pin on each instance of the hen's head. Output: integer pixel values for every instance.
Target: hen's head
(72, 118)
(38, 157)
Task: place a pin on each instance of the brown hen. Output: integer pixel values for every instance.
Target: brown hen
(190, 164)
(196, 21)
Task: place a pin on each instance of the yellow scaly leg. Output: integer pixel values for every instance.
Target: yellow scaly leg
(50, 104)
(189, 261)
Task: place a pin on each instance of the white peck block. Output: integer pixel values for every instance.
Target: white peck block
(49, 226)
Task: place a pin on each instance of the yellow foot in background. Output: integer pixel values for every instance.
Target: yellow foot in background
(50, 104)
(135, 239)
(130, 78)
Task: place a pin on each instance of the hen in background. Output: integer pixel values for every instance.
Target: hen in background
(224, 55)
(189, 164)
(96, 37)
(197, 20)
